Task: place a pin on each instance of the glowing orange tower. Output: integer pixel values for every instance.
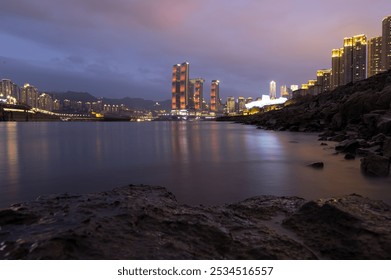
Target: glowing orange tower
(180, 86)
(214, 96)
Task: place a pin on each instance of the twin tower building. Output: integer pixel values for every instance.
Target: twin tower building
(188, 94)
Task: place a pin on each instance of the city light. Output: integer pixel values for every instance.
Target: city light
(266, 101)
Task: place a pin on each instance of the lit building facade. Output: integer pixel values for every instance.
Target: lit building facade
(324, 79)
(374, 60)
(294, 87)
(180, 86)
(249, 100)
(231, 105)
(29, 96)
(215, 96)
(241, 104)
(45, 102)
(273, 90)
(284, 92)
(196, 94)
(9, 92)
(386, 43)
(355, 58)
(337, 68)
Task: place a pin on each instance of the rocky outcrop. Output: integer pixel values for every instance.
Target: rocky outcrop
(143, 222)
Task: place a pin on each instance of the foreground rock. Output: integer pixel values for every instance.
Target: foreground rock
(142, 222)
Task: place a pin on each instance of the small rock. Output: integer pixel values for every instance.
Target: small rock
(323, 144)
(350, 156)
(317, 165)
(375, 165)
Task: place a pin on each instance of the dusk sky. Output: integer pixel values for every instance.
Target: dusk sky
(119, 48)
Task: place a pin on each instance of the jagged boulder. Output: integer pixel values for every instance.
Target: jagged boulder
(348, 146)
(375, 165)
(387, 148)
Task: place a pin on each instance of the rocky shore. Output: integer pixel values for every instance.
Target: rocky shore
(145, 222)
(357, 115)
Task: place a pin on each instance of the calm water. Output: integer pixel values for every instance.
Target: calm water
(200, 162)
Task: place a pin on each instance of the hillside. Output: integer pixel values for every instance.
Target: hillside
(132, 103)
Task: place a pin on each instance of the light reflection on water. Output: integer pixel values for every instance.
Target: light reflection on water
(200, 162)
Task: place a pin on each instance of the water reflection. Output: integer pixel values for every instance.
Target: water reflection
(12, 161)
(200, 162)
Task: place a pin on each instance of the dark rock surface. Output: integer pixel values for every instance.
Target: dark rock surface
(317, 165)
(143, 222)
(375, 165)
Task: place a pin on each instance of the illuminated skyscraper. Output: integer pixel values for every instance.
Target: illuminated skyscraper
(355, 58)
(9, 92)
(324, 79)
(284, 91)
(386, 43)
(273, 90)
(196, 93)
(231, 105)
(374, 56)
(29, 96)
(215, 96)
(337, 69)
(241, 104)
(45, 102)
(180, 86)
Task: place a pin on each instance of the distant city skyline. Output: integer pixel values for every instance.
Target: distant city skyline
(118, 49)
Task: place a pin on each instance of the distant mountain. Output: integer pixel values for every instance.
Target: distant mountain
(139, 103)
(75, 96)
(131, 103)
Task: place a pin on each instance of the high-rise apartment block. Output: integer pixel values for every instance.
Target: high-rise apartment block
(337, 68)
(386, 43)
(284, 91)
(180, 86)
(273, 90)
(215, 96)
(324, 79)
(355, 58)
(231, 105)
(374, 61)
(9, 92)
(241, 104)
(29, 95)
(196, 94)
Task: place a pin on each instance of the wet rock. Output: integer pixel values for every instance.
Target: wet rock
(330, 225)
(379, 138)
(384, 124)
(347, 146)
(12, 217)
(144, 222)
(375, 165)
(317, 165)
(387, 148)
(364, 152)
(350, 156)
